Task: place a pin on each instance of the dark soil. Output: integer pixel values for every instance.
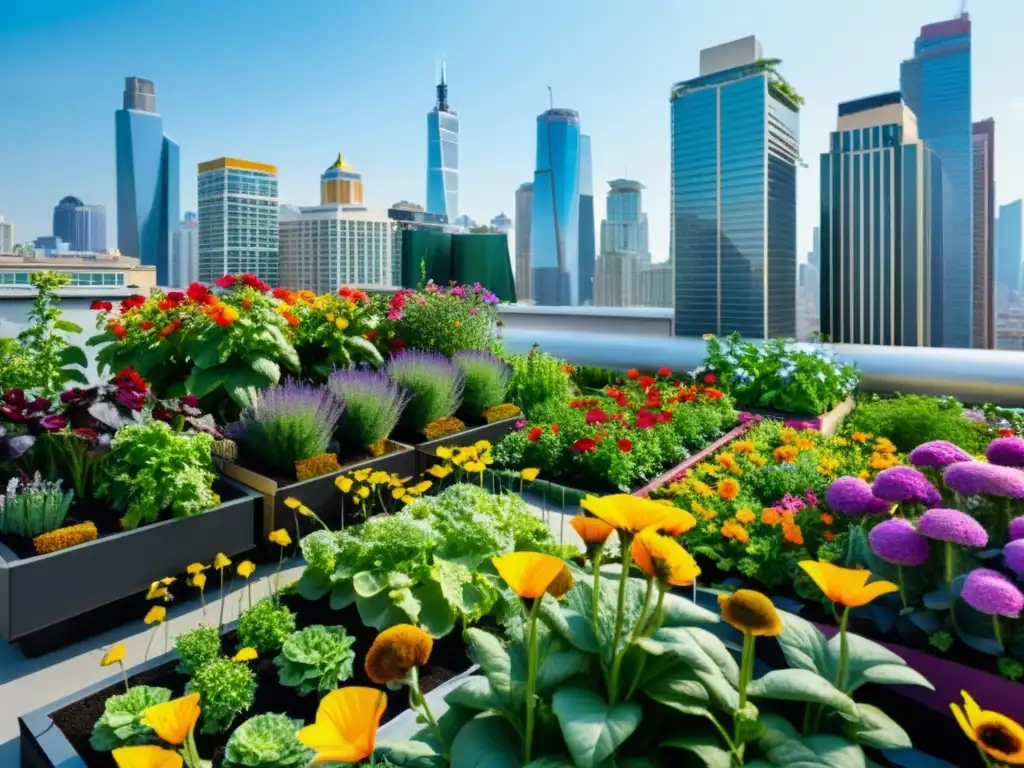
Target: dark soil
(447, 660)
(106, 519)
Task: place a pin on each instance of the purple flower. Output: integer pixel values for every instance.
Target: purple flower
(811, 497)
(1013, 555)
(853, 496)
(1017, 528)
(791, 503)
(373, 404)
(520, 424)
(801, 424)
(953, 525)
(898, 541)
(434, 384)
(459, 291)
(975, 415)
(746, 417)
(976, 477)
(898, 484)
(53, 422)
(131, 399)
(990, 592)
(1006, 452)
(937, 453)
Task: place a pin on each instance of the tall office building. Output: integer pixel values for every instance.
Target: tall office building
(1009, 253)
(983, 225)
(464, 221)
(624, 250)
(185, 252)
(83, 227)
(881, 201)
(6, 236)
(443, 155)
(588, 250)
(936, 84)
(502, 223)
(237, 219)
(655, 286)
(148, 180)
(554, 225)
(523, 265)
(735, 146)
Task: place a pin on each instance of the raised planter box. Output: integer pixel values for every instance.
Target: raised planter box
(492, 433)
(682, 468)
(39, 592)
(319, 493)
(827, 423)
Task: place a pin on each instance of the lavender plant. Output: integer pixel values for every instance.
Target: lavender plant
(373, 404)
(290, 422)
(486, 380)
(33, 508)
(434, 385)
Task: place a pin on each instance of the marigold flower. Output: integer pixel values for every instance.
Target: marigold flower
(792, 533)
(846, 586)
(628, 513)
(531, 574)
(280, 537)
(745, 516)
(173, 720)
(995, 734)
(860, 437)
(751, 613)
(155, 615)
(395, 651)
(770, 516)
(529, 474)
(245, 654)
(662, 558)
(728, 489)
(785, 454)
(246, 568)
(346, 725)
(826, 518)
(758, 460)
(146, 756)
(594, 532)
(113, 656)
(733, 530)
(743, 446)
(221, 561)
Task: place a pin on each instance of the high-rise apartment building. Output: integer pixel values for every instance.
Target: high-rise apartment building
(983, 135)
(735, 147)
(238, 229)
(1009, 252)
(185, 252)
(148, 180)
(524, 216)
(554, 225)
(6, 236)
(464, 220)
(443, 155)
(624, 250)
(936, 85)
(881, 227)
(83, 227)
(587, 245)
(655, 286)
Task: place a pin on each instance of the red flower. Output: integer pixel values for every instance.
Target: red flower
(646, 381)
(710, 378)
(714, 394)
(584, 445)
(285, 295)
(255, 283)
(292, 319)
(625, 445)
(145, 325)
(644, 419)
(129, 378)
(555, 429)
(370, 336)
(225, 281)
(359, 296)
(633, 374)
(622, 402)
(132, 302)
(246, 304)
(1006, 432)
(102, 306)
(397, 345)
(534, 434)
(189, 401)
(176, 296)
(85, 433)
(664, 372)
(197, 292)
(118, 330)
(596, 416)
(613, 393)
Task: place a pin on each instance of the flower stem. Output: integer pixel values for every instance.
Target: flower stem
(220, 619)
(984, 758)
(640, 622)
(620, 611)
(277, 574)
(419, 701)
(596, 597)
(149, 645)
(844, 651)
(124, 674)
(997, 630)
(746, 672)
(531, 683)
(899, 582)
(950, 563)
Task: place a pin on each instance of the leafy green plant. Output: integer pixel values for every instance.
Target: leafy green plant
(486, 378)
(537, 377)
(316, 658)
(941, 640)
(442, 319)
(152, 469)
(910, 420)
(1011, 669)
(267, 741)
(120, 725)
(226, 689)
(197, 647)
(333, 330)
(33, 508)
(265, 626)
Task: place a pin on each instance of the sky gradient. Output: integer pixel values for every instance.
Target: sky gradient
(295, 83)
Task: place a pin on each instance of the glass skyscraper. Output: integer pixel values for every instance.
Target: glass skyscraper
(587, 244)
(443, 156)
(83, 227)
(735, 146)
(983, 214)
(881, 228)
(1009, 252)
(524, 215)
(148, 180)
(936, 85)
(555, 227)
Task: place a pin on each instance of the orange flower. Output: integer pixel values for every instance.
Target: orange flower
(752, 613)
(860, 437)
(726, 460)
(664, 559)
(173, 720)
(828, 536)
(346, 725)
(733, 530)
(728, 489)
(827, 519)
(791, 532)
(291, 319)
(745, 516)
(146, 756)
(531, 574)
(743, 446)
(770, 516)
(678, 522)
(395, 651)
(787, 435)
(804, 444)
(594, 532)
(758, 460)
(785, 454)
(846, 586)
(627, 513)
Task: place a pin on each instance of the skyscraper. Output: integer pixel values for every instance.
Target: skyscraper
(443, 155)
(524, 217)
(735, 146)
(6, 236)
(237, 219)
(148, 179)
(588, 251)
(936, 84)
(83, 227)
(623, 246)
(502, 223)
(983, 135)
(185, 252)
(554, 231)
(881, 200)
(1009, 252)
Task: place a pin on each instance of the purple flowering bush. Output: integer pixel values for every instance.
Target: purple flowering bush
(434, 385)
(373, 402)
(444, 319)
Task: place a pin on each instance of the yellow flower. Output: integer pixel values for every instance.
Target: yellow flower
(113, 656)
(474, 466)
(379, 477)
(628, 513)
(440, 471)
(745, 516)
(397, 492)
(195, 568)
(292, 503)
(664, 559)
(828, 466)
(199, 580)
(147, 756)
(678, 522)
(341, 323)
(280, 537)
(155, 615)
(361, 475)
(481, 446)
(486, 458)
(173, 720)
(860, 437)
(995, 734)
(245, 654)
(246, 568)
(846, 586)
(702, 488)
(344, 483)
(751, 613)
(157, 591)
(168, 580)
(864, 474)
(221, 561)
(758, 460)
(444, 452)
(330, 317)
(743, 446)
(733, 530)
(785, 454)
(346, 725)
(591, 530)
(395, 651)
(363, 492)
(531, 574)
(408, 499)
(529, 474)
(787, 435)
(422, 487)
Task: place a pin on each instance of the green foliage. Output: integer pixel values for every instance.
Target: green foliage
(909, 420)
(15, 365)
(152, 469)
(1011, 669)
(486, 381)
(316, 658)
(265, 626)
(33, 508)
(197, 647)
(537, 377)
(120, 725)
(941, 640)
(446, 320)
(331, 332)
(226, 689)
(267, 741)
(588, 377)
(434, 390)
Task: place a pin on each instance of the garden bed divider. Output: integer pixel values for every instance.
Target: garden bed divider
(492, 433)
(826, 423)
(682, 468)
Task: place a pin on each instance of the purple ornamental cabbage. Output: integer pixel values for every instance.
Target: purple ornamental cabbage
(990, 592)
(937, 453)
(373, 404)
(1017, 528)
(972, 478)
(853, 496)
(954, 526)
(1013, 556)
(897, 541)
(900, 484)
(1006, 452)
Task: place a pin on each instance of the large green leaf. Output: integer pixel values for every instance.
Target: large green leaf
(436, 615)
(505, 672)
(380, 612)
(784, 747)
(73, 356)
(804, 646)
(697, 647)
(474, 693)
(550, 761)
(873, 728)
(367, 351)
(202, 382)
(558, 666)
(706, 746)
(870, 662)
(800, 685)
(681, 612)
(370, 583)
(409, 754)
(486, 742)
(592, 729)
(67, 326)
(574, 627)
(75, 375)
(342, 595)
(265, 367)
(682, 690)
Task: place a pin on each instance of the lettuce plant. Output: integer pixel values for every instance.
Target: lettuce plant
(196, 647)
(120, 725)
(267, 741)
(265, 626)
(226, 689)
(434, 385)
(316, 658)
(373, 404)
(486, 380)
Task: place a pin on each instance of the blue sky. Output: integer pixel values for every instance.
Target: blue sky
(295, 83)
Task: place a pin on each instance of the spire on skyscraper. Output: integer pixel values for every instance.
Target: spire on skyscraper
(442, 90)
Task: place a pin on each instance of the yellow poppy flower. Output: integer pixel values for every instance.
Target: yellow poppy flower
(346, 725)
(199, 580)
(482, 445)
(627, 513)
(593, 531)
(531, 574)
(147, 756)
(474, 466)
(292, 503)
(246, 568)
(280, 537)
(341, 323)
(344, 483)
(113, 656)
(751, 613)
(379, 477)
(397, 492)
(846, 586)
(440, 471)
(221, 561)
(678, 522)
(168, 580)
(444, 452)
(422, 486)
(245, 654)
(995, 734)
(155, 615)
(361, 475)
(363, 492)
(173, 720)
(486, 458)
(157, 591)
(529, 474)
(395, 651)
(664, 559)
(195, 568)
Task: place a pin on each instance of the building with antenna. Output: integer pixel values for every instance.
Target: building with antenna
(443, 154)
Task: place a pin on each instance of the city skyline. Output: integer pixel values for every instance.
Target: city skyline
(496, 109)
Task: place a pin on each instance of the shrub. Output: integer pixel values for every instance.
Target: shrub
(316, 658)
(196, 647)
(34, 508)
(434, 385)
(267, 741)
(373, 404)
(536, 378)
(120, 725)
(909, 420)
(265, 626)
(446, 320)
(486, 379)
(226, 689)
(290, 422)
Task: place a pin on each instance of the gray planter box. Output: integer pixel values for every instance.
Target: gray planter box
(403, 726)
(492, 433)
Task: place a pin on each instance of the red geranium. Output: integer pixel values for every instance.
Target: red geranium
(255, 283)
(176, 296)
(1006, 432)
(710, 378)
(646, 381)
(596, 416)
(129, 378)
(284, 295)
(613, 393)
(555, 429)
(225, 281)
(714, 394)
(584, 445)
(145, 325)
(625, 445)
(644, 419)
(534, 434)
(664, 372)
(370, 336)
(197, 292)
(633, 374)
(132, 302)
(290, 318)
(102, 306)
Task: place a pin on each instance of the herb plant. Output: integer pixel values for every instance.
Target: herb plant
(373, 404)
(197, 647)
(910, 420)
(120, 725)
(226, 689)
(265, 626)
(442, 319)
(486, 379)
(316, 658)
(332, 330)
(33, 508)
(267, 741)
(537, 377)
(434, 385)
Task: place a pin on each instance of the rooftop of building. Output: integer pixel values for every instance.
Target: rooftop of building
(625, 184)
(237, 164)
(560, 114)
(111, 259)
(870, 102)
(339, 169)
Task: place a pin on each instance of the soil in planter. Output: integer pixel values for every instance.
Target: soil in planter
(447, 660)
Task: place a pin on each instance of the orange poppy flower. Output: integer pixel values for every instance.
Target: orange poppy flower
(531, 574)
(846, 586)
(627, 513)
(173, 720)
(346, 725)
(594, 532)
(148, 756)
(664, 559)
